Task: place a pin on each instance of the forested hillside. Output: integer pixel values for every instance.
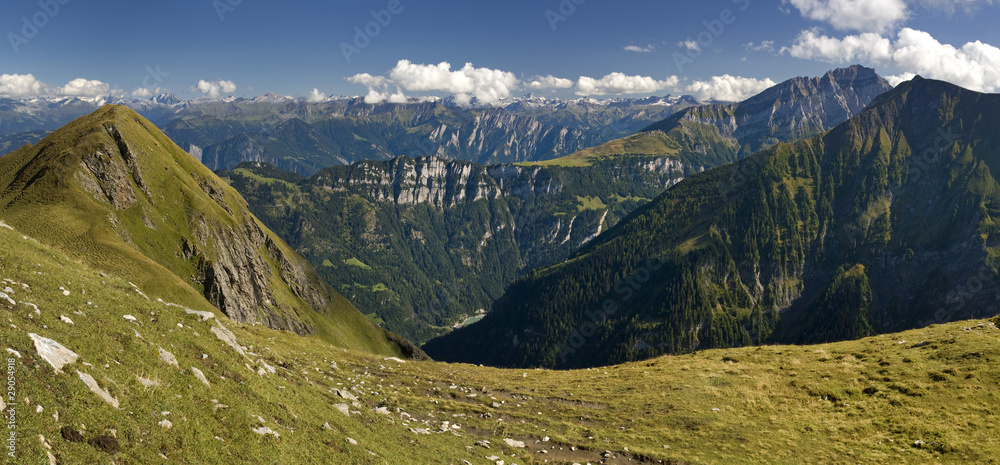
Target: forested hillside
(886, 222)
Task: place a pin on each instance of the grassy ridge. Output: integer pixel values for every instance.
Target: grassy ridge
(692, 143)
(154, 214)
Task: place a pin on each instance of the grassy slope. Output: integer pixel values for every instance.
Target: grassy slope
(45, 200)
(692, 143)
(864, 401)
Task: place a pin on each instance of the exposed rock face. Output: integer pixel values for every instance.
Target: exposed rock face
(446, 183)
(438, 182)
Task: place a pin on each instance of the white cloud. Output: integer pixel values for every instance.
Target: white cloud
(144, 92)
(27, 86)
(487, 85)
(375, 97)
(689, 44)
(857, 15)
(22, 85)
(214, 89)
(619, 83)
(549, 83)
(975, 65)
(369, 80)
(83, 88)
(635, 48)
(868, 47)
(316, 96)
(899, 78)
(728, 88)
(398, 97)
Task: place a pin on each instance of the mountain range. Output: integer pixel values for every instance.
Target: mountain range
(423, 244)
(725, 132)
(884, 223)
(304, 136)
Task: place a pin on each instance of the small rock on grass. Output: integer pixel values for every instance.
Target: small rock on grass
(96, 389)
(168, 358)
(514, 443)
(265, 430)
(201, 376)
(53, 352)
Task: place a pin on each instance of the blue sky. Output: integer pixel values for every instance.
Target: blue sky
(558, 48)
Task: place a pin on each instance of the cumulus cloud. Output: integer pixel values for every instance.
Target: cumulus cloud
(487, 85)
(856, 15)
(316, 96)
(85, 88)
(868, 47)
(375, 97)
(144, 92)
(22, 85)
(369, 80)
(27, 86)
(975, 65)
(728, 88)
(550, 83)
(635, 48)
(899, 78)
(214, 89)
(619, 83)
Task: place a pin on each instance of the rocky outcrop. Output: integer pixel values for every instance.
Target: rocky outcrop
(237, 278)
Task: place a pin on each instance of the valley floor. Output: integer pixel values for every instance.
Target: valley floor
(173, 386)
